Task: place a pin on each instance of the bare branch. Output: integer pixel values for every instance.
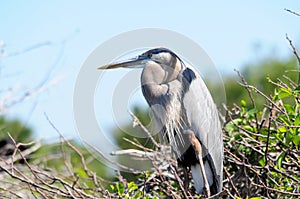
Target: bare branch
(293, 12)
(295, 53)
(138, 122)
(133, 152)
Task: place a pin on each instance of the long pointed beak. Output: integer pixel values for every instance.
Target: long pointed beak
(137, 62)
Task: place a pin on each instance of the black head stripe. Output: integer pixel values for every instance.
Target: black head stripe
(160, 50)
(163, 50)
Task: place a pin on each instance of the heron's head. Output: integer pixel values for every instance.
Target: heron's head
(160, 65)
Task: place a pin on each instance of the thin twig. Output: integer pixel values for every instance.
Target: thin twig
(293, 12)
(231, 182)
(272, 113)
(295, 53)
(250, 95)
(138, 122)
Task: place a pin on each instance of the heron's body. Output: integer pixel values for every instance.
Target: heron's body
(184, 114)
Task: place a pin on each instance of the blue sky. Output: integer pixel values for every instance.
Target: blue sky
(54, 39)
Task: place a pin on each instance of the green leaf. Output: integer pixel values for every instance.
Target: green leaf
(248, 128)
(279, 136)
(262, 161)
(282, 129)
(283, 95)
(296, 139)
(147, 174)
(288, 138)
(132, 187)
(279, 159)
(81, 173)
(289, 108)
(275, 98)
(252, 111)
(112, 187)
(120, 188)
(297, 121)
(230, 127)
(285, 120)
(297, 88)
(243, 103)
(237, 120)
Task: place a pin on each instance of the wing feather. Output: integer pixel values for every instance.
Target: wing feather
(202, 115)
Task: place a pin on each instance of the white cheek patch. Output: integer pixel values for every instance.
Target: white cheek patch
(162, 57)
(156, 57)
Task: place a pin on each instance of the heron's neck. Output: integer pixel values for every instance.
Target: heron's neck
(171, 71)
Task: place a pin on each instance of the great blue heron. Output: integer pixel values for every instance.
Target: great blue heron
(184, 113)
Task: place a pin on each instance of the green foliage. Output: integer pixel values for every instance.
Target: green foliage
(16, 129)
(264, 144)
(56, 155)
(144, 187)
(131, 191)
(130, 132)
(258, 75)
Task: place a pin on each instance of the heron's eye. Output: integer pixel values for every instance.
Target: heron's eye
(149, 55)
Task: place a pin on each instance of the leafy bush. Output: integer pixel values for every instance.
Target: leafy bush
(262, 146)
